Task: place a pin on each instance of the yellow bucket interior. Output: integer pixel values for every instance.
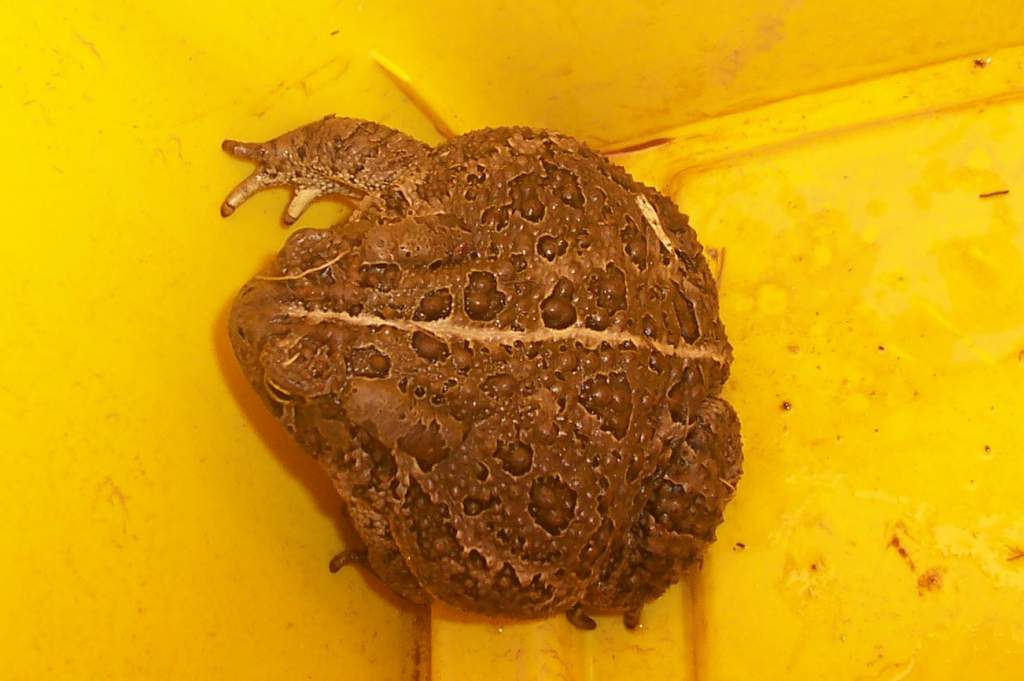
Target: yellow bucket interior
(855, 171)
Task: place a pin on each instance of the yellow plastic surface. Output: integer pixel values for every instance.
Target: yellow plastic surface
(156, 523)
(879, 339)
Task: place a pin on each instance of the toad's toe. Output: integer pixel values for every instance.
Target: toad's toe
(579, 618)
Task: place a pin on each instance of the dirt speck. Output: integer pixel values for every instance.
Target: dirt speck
(894, 542)
(739, 546)
(108, 490)
(930, 580)
(90, 45)
(786, 406)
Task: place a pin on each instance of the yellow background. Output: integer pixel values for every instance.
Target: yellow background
(155, 523)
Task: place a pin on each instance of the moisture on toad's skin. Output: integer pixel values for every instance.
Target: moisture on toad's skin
(508, 359)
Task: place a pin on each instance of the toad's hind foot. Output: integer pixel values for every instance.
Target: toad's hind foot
(277, 169)
(350, 557)
(343, 157)
(265, 176)
(579, 618)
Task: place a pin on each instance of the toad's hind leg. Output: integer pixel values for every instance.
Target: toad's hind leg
(344, 157)
(386, 565)
(680, 517)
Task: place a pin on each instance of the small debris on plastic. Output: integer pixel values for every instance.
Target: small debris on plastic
(929, 581)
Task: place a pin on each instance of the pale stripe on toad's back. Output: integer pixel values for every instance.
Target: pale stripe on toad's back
(652, 219)
(587, 337)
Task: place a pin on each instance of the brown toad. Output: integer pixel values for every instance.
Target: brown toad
(508, 360)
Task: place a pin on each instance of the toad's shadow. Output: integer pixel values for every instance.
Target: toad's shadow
(290, 455)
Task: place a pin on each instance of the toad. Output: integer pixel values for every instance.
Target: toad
(508, 359)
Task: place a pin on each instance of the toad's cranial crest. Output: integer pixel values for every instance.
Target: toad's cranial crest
(508, 359)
